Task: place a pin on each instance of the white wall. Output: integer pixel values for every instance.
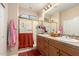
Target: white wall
(3, 30)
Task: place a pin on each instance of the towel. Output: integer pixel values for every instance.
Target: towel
(12, 34)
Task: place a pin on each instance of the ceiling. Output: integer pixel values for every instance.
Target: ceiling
(60, 8)
(36, 7)
(33, 7)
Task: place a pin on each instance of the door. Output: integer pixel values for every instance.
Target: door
(3, 32)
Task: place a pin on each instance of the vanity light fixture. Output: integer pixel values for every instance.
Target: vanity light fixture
(48, 6)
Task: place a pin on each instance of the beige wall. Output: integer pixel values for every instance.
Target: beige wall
(41, 15)
(70, 15)
(13, 13)
(28, 12)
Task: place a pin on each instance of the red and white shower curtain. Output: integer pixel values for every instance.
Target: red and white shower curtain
(26, 40)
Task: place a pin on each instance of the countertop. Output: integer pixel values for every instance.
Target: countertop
(73, 42)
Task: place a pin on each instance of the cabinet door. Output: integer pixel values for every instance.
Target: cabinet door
(40, 44)
(63, 53)
(45, 49)
(53, 51)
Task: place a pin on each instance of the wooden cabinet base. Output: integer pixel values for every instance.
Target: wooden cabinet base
(51, 47)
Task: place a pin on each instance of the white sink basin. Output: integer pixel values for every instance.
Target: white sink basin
(64, 39)
(71, 40)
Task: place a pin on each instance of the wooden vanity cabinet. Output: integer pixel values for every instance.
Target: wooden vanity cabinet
(51, 47)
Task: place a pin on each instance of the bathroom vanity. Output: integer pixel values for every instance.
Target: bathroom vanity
(57, 46)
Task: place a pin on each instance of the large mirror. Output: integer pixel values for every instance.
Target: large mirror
(71, 26)
(50, 24)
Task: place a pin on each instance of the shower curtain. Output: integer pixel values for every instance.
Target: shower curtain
(26, 40)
